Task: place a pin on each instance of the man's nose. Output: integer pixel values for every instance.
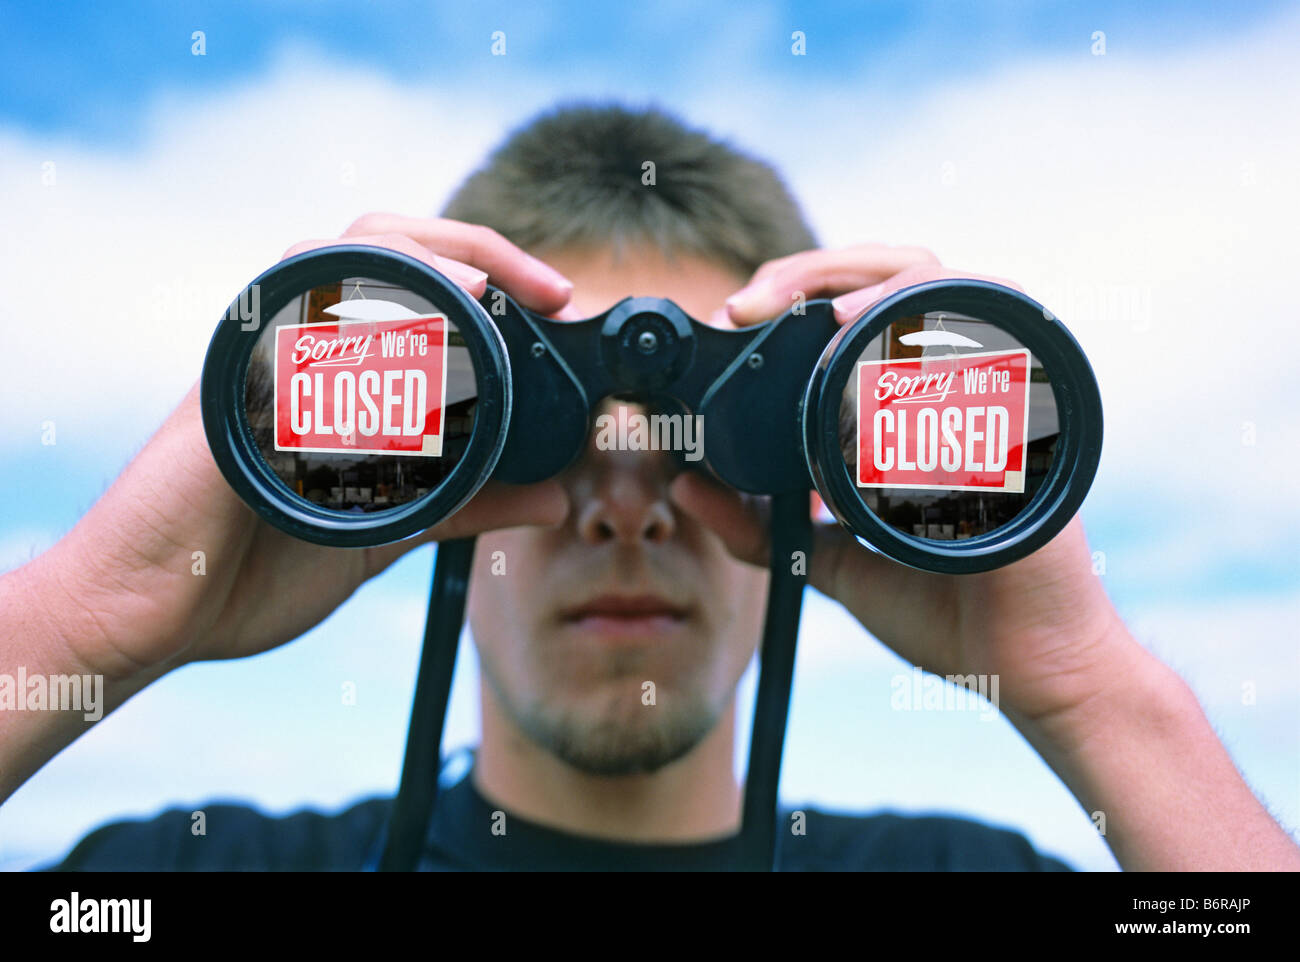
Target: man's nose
(625, 502)
(623, 496)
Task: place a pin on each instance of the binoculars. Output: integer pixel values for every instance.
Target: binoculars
(354, 396)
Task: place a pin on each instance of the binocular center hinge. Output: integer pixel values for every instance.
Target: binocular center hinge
(646, 343)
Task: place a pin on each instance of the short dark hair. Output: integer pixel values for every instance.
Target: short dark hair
(578, 176)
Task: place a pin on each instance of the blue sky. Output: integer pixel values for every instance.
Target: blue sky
(90, 69)
(1145, 195)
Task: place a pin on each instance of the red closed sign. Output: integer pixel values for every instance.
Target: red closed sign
(362, 387)
(957, 422)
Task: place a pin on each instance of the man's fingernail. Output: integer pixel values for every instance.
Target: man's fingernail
(551, 274)
(849, 306)
(555, 277)
(747, 298)
(738, 300)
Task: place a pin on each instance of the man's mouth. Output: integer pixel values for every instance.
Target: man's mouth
(615, 617)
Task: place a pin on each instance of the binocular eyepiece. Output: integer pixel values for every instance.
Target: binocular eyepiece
(354, 396)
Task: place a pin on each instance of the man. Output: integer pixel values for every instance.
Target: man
(622, 569)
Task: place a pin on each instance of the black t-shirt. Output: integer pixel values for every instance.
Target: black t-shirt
(469, 833)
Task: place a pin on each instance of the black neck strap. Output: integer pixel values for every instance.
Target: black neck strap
(418, 790)
(791, 532)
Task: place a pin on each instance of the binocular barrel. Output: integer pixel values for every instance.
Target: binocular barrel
(354, 396)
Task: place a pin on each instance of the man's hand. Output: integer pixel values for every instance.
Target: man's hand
(119, 589)
(855, 276)
(1121, 729)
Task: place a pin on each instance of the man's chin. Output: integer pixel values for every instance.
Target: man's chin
(597, 744)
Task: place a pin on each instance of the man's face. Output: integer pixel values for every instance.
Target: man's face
(629, 590)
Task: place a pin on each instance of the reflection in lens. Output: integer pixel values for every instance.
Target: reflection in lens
(360, 396)
(948, 426)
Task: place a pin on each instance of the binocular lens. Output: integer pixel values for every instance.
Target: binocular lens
(352, 396)
(956, 426)
(360, 395)
(949, 426)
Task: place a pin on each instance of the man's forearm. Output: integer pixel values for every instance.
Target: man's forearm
(46, 692)
(1143, 753)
